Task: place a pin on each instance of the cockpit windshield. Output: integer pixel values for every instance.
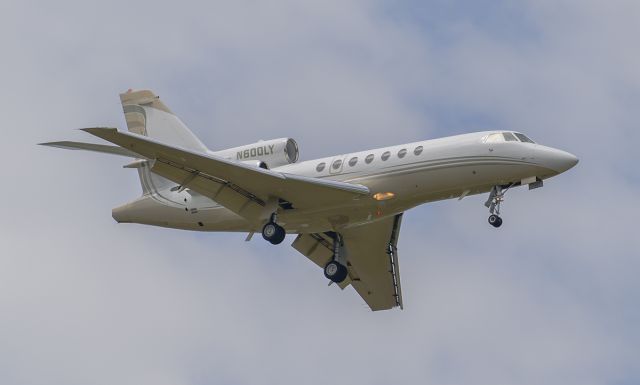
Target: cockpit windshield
(506, 137)
(523, 137)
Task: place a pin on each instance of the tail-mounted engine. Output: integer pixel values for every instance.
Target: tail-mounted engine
(273, 153)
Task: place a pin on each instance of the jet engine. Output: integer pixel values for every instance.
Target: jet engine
(274, 153)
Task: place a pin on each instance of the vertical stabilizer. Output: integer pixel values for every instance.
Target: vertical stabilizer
(146, 115)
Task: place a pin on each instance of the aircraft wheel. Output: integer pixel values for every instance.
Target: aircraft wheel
(495, 221)
(280, 234)
(335, 272)
(273, 233)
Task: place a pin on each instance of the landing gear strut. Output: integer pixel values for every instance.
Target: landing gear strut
(273, 232)
(336, 270)
(496, 197)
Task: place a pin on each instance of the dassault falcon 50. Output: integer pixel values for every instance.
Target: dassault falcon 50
(345, 210)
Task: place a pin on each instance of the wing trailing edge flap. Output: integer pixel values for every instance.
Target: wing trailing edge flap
(372, 252)
(241, 188)
(233, 198)
(372, 260)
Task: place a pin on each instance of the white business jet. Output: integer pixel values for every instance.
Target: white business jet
(345, 210)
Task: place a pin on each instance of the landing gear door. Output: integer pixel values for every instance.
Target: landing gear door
(336, 165)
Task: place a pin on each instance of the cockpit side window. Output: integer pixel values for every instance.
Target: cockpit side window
(500, 137)
(494, 138)
(523, 137)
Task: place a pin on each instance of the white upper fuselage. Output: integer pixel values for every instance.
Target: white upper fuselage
(413, 174)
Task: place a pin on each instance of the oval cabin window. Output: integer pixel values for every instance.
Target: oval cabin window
(369, 158)
(385, 155)
(320, 167)
(418, 150)
(353, 161)
(337, 164)
(402, 153)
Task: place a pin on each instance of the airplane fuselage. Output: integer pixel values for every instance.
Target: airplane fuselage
(400, 177)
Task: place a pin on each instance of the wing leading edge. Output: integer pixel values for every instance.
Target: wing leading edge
(372, 257)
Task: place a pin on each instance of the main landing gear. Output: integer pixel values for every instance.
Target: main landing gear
(336, 270)
(496, 197)
(273, 232)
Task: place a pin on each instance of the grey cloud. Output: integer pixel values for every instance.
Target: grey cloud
(550, 298)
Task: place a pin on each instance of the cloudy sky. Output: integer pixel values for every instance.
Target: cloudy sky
(553, 297)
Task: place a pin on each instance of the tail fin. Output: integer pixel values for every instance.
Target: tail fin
(147, 115)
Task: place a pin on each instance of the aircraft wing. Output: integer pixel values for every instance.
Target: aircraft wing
(372, 260)
(241, 188)
(114, 150)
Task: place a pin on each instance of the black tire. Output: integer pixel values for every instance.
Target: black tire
(495, 220)
(273, 233)
(335, 272)
(279, 236)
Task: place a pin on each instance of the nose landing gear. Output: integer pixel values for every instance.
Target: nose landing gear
(496, 197)
(495, 220)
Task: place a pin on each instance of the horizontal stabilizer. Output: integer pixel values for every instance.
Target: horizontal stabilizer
(114, 150)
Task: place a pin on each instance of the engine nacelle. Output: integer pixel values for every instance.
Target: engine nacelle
(275, 153)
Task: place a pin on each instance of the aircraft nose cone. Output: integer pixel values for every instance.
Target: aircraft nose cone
(562, 161)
